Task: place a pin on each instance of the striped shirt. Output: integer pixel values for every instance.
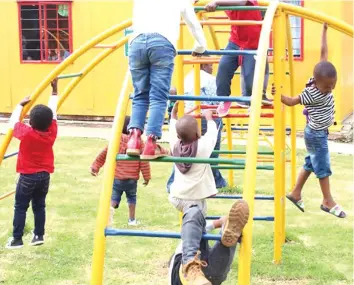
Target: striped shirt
(124, 169)
(320, 106)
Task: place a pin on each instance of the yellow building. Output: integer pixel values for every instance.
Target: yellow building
(37, 35)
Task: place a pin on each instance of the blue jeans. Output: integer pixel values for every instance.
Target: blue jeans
(229, 64)
(30, 187)
(219, 179)
(151, 61)
(219, 257)
(318, 160)
(128, 186)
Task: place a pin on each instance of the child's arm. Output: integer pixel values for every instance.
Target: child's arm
(172, 130)
(20, 129)
(145, 171)
(211, 7)
(324, 45)
(195, 28)
(53, 105)
(305, 98)
(53, 100)
(209, 139)
(99, 162)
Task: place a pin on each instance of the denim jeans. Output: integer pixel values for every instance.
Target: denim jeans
(30, 187)
(229, 64)
(318, 160)
(129, 186)
(219, 257)
(219, 179)
(151, 61)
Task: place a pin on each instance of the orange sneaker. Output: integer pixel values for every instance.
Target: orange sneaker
(134, 143)
(152, 150)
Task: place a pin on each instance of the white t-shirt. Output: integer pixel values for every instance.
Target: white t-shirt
(207, 88)
(198, 183)
(164, 17)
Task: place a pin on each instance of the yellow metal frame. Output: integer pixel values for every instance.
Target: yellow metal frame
(277, 12)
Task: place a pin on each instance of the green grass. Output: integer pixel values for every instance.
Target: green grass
(319, 249)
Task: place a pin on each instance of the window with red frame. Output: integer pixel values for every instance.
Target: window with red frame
(45, 31)
(297, 31)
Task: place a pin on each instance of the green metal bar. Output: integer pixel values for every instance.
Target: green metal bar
(234, 8)
(185, 160)
(241, 152)
(70, 75)
(270, 73)
(261, 167)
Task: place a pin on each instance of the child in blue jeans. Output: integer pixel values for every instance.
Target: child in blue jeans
(318, 99)
(156, 25)
(35, 163)
(241, 38)
(125, 178)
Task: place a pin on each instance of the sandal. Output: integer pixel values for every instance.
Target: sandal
(298, 203)
(336, 211)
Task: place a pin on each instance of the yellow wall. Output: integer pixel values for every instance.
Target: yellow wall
(97, 94)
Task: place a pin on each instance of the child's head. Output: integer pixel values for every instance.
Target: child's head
(126, 123)
(187, 129)
(41, 118)
(325, 75)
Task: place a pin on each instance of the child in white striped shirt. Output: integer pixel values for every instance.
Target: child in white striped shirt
(318, 99)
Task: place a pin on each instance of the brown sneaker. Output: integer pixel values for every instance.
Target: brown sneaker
(236, 221)
(193, 271)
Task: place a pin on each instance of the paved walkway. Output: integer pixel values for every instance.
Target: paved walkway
(103, 131)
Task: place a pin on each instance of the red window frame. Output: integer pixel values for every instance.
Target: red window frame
(302, 50)
(44, 3)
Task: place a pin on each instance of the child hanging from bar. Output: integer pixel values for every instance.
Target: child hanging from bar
(151, 59)
(35, 163)
(194, 183)
(318, 99)
(126, 177)
(217, 260)
(241, 38)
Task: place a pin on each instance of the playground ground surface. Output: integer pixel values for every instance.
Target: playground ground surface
(319, 250)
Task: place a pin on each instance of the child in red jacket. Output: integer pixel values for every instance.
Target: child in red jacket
(35, 163)
(241, 38)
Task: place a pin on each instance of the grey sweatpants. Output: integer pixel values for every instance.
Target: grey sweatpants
(218, 257)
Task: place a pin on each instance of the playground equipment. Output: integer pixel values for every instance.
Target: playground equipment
(277, 15)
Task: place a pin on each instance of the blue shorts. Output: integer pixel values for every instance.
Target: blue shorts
(128, 186)
(318, 160)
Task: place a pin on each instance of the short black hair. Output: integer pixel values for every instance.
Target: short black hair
(126, 123)
(41, 117)
(325, 69)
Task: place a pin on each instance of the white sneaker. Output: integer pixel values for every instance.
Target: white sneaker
(110, 218)
(133, 222)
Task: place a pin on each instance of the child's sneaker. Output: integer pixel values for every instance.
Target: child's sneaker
(14, 243)
(223, 109)
(134, 142)
(152, 150)
(266, 101)
(236, 221)
(193, 271)
(133, 222)
(37, 240)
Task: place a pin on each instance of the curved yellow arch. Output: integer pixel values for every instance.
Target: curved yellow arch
(59, 69)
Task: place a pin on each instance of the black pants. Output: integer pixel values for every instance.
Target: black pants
(30, 187)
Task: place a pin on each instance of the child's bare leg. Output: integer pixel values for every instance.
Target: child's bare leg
(326, 192)
(131, 211)
(301, 180)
